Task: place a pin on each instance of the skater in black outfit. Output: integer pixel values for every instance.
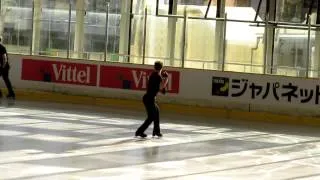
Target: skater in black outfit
(4, 70)
(158, 81)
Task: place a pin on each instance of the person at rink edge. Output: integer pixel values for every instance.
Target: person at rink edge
(157, 82)
(4, 70)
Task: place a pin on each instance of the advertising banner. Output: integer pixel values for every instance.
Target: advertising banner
(59, 72)
(134, 78)
(267, 89)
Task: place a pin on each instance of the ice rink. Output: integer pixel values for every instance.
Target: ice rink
(70, 142)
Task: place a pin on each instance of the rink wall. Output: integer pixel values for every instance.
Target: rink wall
(190, 91)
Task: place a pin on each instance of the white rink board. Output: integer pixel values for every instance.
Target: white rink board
(251, 88)
(195, 88)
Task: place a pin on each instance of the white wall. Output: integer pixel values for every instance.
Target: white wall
(195, 88)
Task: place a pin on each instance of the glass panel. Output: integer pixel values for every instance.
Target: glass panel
(95, 31)
(137, 30)
(114, 29)
(77, 30)
(16, 25)
(314, 54)
(244, 48)
(245, 9)
(162, 6)
(54, 20)
(197, 8)
(290, 52)
(96, 5)
(54, 29)
(200, 44)
(88, 30)
(139, 5)
(164, 40)
(293, 11)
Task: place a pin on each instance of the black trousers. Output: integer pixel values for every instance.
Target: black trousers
(5, 77)
(153, 115)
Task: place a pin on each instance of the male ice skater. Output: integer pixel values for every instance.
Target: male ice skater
(158, 81)
(4, 70)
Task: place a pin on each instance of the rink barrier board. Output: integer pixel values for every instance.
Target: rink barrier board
(212, 93)
(187, 110)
